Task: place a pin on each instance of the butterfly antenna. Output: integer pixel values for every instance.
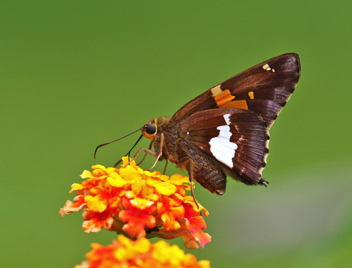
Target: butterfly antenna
(149, 148)
(101, 145)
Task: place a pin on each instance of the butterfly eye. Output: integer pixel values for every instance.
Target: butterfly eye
(151, 129)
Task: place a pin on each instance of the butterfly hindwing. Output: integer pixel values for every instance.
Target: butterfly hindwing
(236, 138)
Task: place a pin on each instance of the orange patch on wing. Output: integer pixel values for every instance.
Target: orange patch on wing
(240, 104)
(223, 97)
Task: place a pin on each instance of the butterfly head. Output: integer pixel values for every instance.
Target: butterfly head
(152, 127)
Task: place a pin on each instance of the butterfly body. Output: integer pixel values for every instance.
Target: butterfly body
(225, 131)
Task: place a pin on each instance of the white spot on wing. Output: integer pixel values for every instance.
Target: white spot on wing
(221, 147)
(227, 119)
(266, 67)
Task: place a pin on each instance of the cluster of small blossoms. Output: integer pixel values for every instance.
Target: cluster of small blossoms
(140, 253)
(138, 203)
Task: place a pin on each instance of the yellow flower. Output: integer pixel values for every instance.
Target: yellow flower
(138, 203)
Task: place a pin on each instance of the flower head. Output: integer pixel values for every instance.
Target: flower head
(138, 203)
(140, 253)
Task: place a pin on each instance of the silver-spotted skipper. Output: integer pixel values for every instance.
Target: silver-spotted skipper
(225, 131)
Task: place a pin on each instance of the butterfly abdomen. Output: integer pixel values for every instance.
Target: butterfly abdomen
(206, 171)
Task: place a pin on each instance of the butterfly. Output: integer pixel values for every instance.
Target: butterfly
(225, 131)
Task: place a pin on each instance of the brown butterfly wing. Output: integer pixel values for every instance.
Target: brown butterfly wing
(264, 89)
(236, 138)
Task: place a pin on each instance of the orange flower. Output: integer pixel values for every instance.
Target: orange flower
(138, 203)
(140, 253)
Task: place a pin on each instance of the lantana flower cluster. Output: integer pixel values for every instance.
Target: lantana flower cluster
(140, 253)
(138, 203)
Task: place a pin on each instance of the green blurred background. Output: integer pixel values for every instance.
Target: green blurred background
(75, 74)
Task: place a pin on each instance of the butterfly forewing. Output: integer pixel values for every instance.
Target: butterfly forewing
(263, 89)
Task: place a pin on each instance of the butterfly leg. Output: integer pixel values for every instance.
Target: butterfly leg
(152, 153)
(147, 151)
(192, 183)
(167, 161)
(149, 148)
(160, 153)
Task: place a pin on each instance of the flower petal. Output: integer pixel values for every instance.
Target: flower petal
(165, 188)
(95, 203)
